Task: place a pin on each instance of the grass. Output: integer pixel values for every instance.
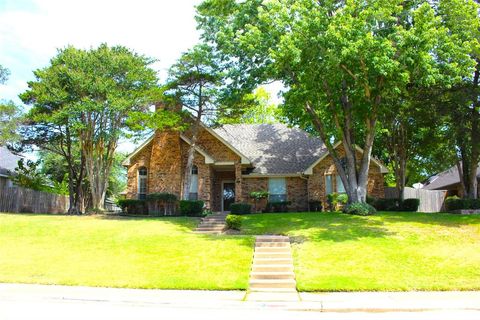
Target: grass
(120, 252)
(385, 252)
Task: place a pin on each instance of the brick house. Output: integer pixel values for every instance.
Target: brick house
(234, 160)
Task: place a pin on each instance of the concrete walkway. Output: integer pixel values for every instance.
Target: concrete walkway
(272, 276)
(12, 295)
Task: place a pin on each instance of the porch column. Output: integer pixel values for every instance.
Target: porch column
(238, 182)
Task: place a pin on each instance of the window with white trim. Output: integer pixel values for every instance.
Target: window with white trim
(193, 195)
(328, 184)
(142, 183)
(340, 186)
(277, 189)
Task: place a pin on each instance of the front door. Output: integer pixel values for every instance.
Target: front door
(228, 195)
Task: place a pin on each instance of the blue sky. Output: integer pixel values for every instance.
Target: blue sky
(31, 31)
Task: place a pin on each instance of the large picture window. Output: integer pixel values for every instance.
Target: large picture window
(194, 184)
(277, 189)
(142, 183)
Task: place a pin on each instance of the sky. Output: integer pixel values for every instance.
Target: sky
(31, 31)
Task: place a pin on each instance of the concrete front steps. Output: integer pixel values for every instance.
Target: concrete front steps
(212, 224)
(272, 268)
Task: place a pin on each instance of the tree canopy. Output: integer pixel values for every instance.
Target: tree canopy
(340, 62)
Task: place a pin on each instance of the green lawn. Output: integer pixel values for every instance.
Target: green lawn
(389, 251)
(120, 252)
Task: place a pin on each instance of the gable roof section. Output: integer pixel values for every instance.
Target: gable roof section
(243, 158)
(208, 158)
(274, 149)
(444, 179)
(309, 170)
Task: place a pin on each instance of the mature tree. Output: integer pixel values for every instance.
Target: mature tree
(87, 97)
(340, 62)
(10, 115)
(461, 104)
(194, 81)
(4, 73)
(253, 108)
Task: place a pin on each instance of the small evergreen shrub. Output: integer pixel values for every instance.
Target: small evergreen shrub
(410, 204)
(233, 222)
(277, 206)
(240, 208)
(315, 206)
(359, 209)
(192, 208)
(133, 206)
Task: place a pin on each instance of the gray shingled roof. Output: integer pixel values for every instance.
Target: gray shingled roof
(274, 148)
(8, 161)
(444, 179)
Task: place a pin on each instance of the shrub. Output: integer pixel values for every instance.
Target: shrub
(359, 209)
(455, 203)
(277, 206)
(257, 195)
(315, 206)
(233, 222)
(334, 199)
(240, 208)
(161, 204)
(191, 208)
(133, 206)
(387, 204)
(162, 196)
(410, 205)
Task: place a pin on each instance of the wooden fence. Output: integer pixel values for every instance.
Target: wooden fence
(430, 200)
(16, 199)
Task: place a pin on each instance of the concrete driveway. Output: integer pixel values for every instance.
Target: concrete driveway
(21, 301)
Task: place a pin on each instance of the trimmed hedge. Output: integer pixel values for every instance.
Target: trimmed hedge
(162, 196)
(359, 209)
(233, 222)
(240, 208)
(277, 206)
(411, 204)
(456, 203)
(133, 206)
(191, 208)
(394, 204)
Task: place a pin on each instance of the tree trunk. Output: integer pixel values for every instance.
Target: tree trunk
(191, 153)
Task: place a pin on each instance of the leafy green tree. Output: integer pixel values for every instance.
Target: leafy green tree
(194, 82)
(10, 115)
(254, 108)
(28, 175)
(87, 97)
(461, 104)
(340, 62)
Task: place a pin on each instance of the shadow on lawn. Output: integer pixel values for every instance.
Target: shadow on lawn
(440, 219)
(334, 227)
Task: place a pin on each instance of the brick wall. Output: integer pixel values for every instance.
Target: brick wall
(317, 184)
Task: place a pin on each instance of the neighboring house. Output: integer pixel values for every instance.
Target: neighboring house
(234, 160)
(8, 163)
(447, 180)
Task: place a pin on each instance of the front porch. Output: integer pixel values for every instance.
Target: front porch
(225, 187)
